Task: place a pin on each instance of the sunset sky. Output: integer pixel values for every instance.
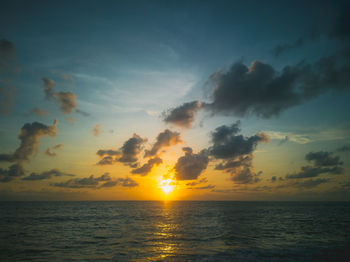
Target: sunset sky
(175, 100)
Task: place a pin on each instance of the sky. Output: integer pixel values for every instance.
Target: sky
(175, 100)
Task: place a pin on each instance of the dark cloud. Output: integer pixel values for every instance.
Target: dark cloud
(164, 139)
(12, 172)
(310, 171)
(124, 182)
(190, 166)
(345, 148)
(183, 115)
(202, 187)
(232, 164)
(245, 176)
(311, 182)
(128, 153)
(86, 182)
(341, 27)
(323, 158)
(195, 183)
(46, 175)
(282, 48)
(131, 149)
(227, 144)
(7, 52)
(236, 152)
(107, 160)
(29, 136)
(147, 167)
(263, 91)
(109, 152)
(67, 101)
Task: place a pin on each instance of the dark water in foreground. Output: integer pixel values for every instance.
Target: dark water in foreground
(174, 231)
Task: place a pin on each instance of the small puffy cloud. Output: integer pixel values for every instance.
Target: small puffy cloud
(190, 166)
(124, 182)
(29, 137)
(108, 152)
(323, 158)
(46, 175)
(147, 167)
(228, 144)
(96, 130)
(86, 182)
(131, 149)
(12, 172)
(164, 139)
(67, 101)
(183, 115)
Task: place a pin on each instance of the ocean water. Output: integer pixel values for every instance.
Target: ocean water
(174, 231)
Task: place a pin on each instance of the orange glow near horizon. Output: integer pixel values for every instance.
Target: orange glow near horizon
(167, 185)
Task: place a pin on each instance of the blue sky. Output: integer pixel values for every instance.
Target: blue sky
(129, 63)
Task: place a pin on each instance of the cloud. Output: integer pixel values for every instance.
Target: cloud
(323, 158)
(7, 52)
(131, 149)
(12, 172)
(262, 91)
(245, 176)
(228, 144)
(128, 153)
(46, 175)
(236, 152)
(124, 182)
(311, 182)
(190, 166)
(109, 152)
(49, 151)
(29, 137)
(38, 111)
(96, 130)
(86, 182)
(342, 149)
(195, 183)
(83, 113)
(202, 187)
(164, 139)
(147, 167)
(288, 136)
(183, 115)
(310, 171)
(66, 100)
(282, 48)
(109, 157)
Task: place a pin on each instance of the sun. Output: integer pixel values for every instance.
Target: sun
(167, 185)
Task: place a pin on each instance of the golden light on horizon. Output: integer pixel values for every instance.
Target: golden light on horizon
(167, 185)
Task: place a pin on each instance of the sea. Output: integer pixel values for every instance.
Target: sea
(174, 231)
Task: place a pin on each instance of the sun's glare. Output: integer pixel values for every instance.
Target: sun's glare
(167, 185)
